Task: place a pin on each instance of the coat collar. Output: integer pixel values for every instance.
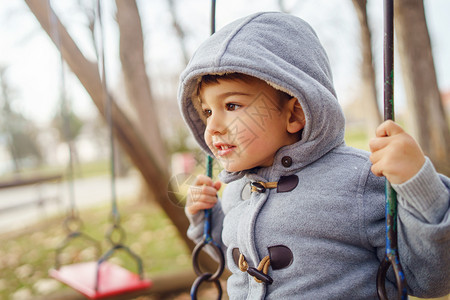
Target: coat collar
(288, 160)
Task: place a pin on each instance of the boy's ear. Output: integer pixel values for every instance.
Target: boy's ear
(296, 119)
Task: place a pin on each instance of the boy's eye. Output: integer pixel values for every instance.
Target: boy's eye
(207, 113)
(232, 106)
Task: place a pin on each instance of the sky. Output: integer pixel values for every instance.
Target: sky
(33, 64)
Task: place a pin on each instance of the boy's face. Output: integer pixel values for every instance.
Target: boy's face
(246, 122)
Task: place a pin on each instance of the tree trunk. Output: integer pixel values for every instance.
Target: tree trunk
(368, 86)
(137, 83)
(430, 124)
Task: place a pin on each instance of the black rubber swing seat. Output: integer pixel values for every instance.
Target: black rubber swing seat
(112, 279)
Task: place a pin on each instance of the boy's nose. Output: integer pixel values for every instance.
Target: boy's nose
(216, 125)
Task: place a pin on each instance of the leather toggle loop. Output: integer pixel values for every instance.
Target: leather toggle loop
(284, 185)
(260, 273)
(259, 276)
(261, 186)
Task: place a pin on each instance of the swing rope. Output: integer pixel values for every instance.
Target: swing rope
(115, 215)
(116, 234)
(391, 257)
(207, 238)
(65, 115)
(72, 223)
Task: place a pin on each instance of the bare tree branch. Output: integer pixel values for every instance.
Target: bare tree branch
(136, 80)
(179, 31)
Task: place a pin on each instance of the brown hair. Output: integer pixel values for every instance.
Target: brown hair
(214, 79)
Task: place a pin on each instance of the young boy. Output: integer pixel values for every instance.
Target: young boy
(300, 207)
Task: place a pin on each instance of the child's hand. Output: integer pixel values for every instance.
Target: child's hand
(395, 154)
(202, 195)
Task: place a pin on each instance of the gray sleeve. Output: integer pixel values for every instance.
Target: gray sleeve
(424, 232)
(196, 228)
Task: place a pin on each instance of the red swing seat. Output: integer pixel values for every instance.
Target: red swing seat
(112, 280)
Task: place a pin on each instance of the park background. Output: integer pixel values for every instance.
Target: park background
(37, 91)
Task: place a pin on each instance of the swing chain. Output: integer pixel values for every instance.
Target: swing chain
(209, 277)
(391, 257)
(207, 240)
(116, 235)
(73, 224)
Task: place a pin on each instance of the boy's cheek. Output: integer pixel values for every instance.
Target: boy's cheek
(262, 110)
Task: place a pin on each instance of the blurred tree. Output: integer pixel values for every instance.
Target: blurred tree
(419, 76)
(69, 126)
(429, 122)
(137, 83)
(181, 35)
(21, 133)
(178, 141)
(368, 87)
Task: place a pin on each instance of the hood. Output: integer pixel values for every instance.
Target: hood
(284, 51)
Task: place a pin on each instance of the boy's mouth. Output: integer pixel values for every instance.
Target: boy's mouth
(223, 149)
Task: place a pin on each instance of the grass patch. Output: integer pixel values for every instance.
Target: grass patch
(25, 258)
(91, 169)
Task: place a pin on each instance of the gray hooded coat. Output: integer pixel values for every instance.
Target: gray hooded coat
(324, 229)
